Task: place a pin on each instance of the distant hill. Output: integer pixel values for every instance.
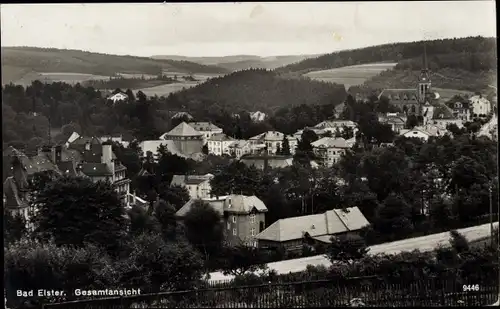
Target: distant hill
(479, 47)
(242, 62)
(258, 89)
(19, 61)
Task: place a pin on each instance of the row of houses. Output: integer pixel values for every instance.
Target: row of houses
(84, 156)
(243, 218)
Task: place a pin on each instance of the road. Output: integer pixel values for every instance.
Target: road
(424, 243)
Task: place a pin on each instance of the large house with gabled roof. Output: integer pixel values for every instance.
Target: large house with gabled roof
(243, 216)
(186, 139)
(328, 150)
(291, 234)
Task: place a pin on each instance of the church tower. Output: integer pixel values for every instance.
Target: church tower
(424, 85)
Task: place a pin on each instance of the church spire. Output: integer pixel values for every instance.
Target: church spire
(425, 57)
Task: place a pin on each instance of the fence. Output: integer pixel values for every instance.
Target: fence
(365, 291)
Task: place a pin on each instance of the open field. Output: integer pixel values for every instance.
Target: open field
(47, 60)
(350, 75)
(164, 90)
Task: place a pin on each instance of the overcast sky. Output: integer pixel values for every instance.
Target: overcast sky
(219, 29)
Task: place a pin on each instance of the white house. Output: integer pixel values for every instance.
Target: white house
(334, 124)
(152, 147)
(218, 144)
(418, 132)
(206, 128)
(120, 96)
(258, 116)
(198, 186)
(480, 105)
(273, 140)
(329, 150)
(240, 148)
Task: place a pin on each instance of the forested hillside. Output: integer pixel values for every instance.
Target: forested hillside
(471, 53)
(77, 61)
(259, 89)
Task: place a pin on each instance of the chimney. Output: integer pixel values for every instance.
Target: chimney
(107, 157)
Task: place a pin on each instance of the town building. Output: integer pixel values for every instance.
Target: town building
(273, 141)
(328, 150)
(151, 148)
(98, 162)
(395, 120)
(243, 217)
(480, 106)
(265, 161)
(239, 148)
(208, 129)
(85, 157)
(218, 144)
(182, 115)
(118, 97)
(461, 110)
(411, 101)
(421, 133)
(291, 234)
(258, 116)
(334, 125)
(186, 139)
(198, 186)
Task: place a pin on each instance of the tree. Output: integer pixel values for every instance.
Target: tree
(130, 94)
(411, 122)
(175, 195)
(392, 219)
(75, 211)
(458, 242)
(141, 222)
(165, 215)
(154, 265)
(241, 259)
(204, 229)
(236, 177)
(30, 265)
(14, 227)
(304, 152)
(346, 248)
(141, 97)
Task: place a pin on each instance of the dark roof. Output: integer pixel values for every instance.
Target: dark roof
(442, 111)
(67, 168)
(405, 95)
(95, 169)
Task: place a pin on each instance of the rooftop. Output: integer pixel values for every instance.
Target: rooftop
(220, 137)
(329, 223)
(182, 129)
(330, 142)
(204, 126)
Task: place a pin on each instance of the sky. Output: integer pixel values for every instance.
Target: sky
(221, 29)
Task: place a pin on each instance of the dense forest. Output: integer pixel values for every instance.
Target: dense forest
(474, 53)
(259, 89)
(77, 61)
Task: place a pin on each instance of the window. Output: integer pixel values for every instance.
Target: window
(252, 218)
(234, 219)
(252, 231)
(229, 203)
(234, 232)
(229, 225)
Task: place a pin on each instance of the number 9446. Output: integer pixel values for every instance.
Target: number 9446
(470, 287)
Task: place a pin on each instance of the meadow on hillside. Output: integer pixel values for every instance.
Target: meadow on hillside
(350, 75)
